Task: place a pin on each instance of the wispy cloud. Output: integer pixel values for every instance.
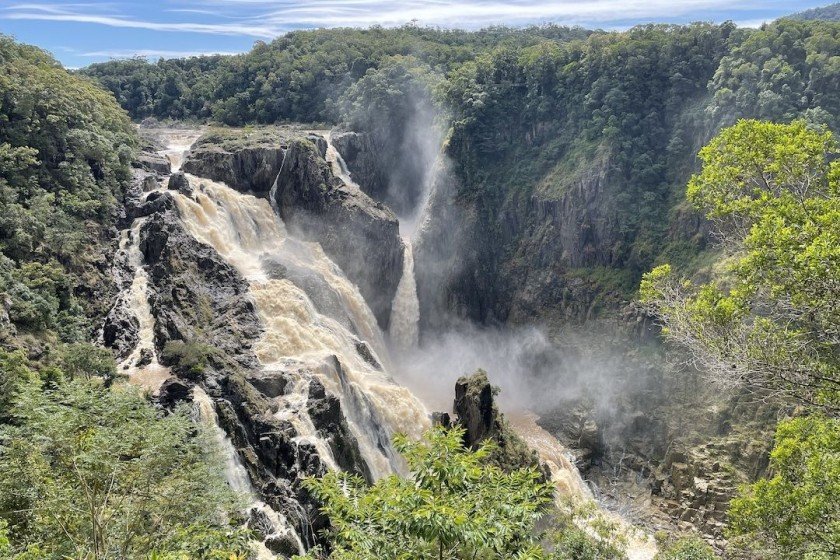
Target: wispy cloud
(150, 53)
(75, 13)
(268, 18)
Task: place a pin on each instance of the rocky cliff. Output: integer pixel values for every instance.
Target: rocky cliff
(360, 235)
(205, 326)
(247, 160)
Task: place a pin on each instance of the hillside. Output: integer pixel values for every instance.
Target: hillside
(826, 13)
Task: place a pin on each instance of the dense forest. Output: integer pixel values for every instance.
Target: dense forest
(652, 139)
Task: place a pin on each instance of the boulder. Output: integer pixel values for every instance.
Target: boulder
(475, 408)
(153, 162)
(359, 234)
(120, 330)
(172, 392)
(179, 182)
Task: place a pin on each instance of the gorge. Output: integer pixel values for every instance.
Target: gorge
(545, 292)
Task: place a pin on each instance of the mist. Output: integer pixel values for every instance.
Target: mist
(533, 372)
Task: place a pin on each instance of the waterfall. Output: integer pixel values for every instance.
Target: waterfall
(141, 366)
(298, 338)
(405, 309)
(237, 478)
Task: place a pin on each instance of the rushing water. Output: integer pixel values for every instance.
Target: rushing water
(298, 338)
(141, 366)
(237, 477)
(405, 309)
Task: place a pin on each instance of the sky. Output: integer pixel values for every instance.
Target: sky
(87, 31)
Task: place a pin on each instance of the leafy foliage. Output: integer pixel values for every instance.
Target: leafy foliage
(453, 506)
(795, 513)
(772, 320)
(296, 77)
(686, 548)
(60, 176)
(92, 472)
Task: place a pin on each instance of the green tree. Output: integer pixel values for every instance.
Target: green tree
(92, 472)
(795, 514)
(453, 506)
(687, 548)
(771, 319)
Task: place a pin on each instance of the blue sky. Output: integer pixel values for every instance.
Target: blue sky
(81, 32)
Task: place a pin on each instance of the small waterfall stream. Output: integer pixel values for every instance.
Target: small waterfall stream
(237, 477)
(404, 328)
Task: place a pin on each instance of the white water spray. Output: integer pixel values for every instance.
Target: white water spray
(297, 337)
(238, 479)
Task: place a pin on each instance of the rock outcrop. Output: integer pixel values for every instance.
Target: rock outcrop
(359, 234)
(250, 169)
(476, 412)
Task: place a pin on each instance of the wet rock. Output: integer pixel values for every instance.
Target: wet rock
(270, 383)
(174, 391)
(249, 169)
(283, 544)
(441, 419)
(150, 183)
(320, 292)
(179, 182)
(367, 354)
(364, 162)
(325, 412)
(360, 235)
(120, 330)
(153, 162)
(145, 358)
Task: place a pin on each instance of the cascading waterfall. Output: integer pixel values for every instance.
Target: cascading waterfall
(141, 366)
(405, 308)
(297, 337)
(304, 340)
(404, 328)
(237, 477)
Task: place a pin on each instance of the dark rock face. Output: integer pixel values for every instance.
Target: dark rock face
(172, 392)
(364, 161)
(325, 411)
(360, 235)
(455, 264)
(198, 296)
(475, 408)
(508, 259)
(250, 169)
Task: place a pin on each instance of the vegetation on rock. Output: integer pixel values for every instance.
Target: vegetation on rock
(769, 320)
(92, 472)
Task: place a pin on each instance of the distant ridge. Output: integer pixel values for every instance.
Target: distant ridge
(826, 13)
